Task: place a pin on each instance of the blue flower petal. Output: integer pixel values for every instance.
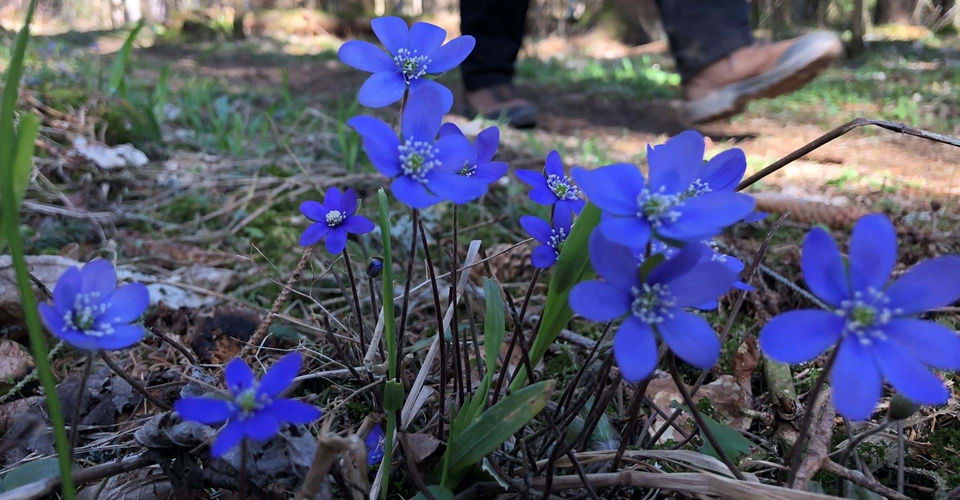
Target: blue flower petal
(261, 426)
(382, 89)
(52, 318)
(532, 179)
(422, 116)
(599, 301)
(491, 171)
(392, 32)
(456, 188)
(313, 210)
(536, 227)
(228, 438)
(379, 142)
(908, 375)
(928, 285)
(724, 171)
(704, 283)
(613, 188)
(823, 268)
(66, 290)
(425, 38)
(675, 163)
(799, 336)
(348, 202)
(374, 442)
(706, 215)
(280, 375)
(443, 95)
(873, 252)
(204, 410)
(488, 140)
(856, 380)
(635, 348)
(930, 342)
(123, 336)
(453, 151)
(358, 224)
(680, 263)
(126, 303)
(366, 56)
(336, 240)
(331, 199)
(451, 54)
(78, 340)
(691, 338)
(543, 256)
(314, 233)
(450, 128)
(553, 165)
(571, 206)
(412, 193)
(293, 411)
(238, 376)
(99, 276)
(630, 231)
(614, 263)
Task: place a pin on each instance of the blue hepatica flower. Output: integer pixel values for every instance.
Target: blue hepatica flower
(374, 443)
(682, 202)
(553, 187)
(252, 409)
(873, 322)
(424, 169)
(414, 54)
(550, 236)
(90, 312)
(333, 220)
(732, 263)
(480, 162)
(653, 302)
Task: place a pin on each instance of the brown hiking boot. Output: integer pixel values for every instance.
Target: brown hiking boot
(758, 71)
(501, 102)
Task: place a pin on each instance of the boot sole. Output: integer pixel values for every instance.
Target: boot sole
(784, 78)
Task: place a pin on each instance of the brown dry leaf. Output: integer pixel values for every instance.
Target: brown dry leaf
(421, 445)
(15, 362)
(745, 361)
(724, 394)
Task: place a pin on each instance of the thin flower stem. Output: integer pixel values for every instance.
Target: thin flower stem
(796, 453)
(900, 471)
(176, 345)
(133, 382)
(855, 441)
(707, 433)
(517, 333)
(243, 468)
(356, 299)
(80, 399)
(632, 413)
(404, 308)
(389, 336)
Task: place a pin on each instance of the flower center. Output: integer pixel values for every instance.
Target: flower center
(468, 170)
(697, 187)
(563, 187)
(417, 159)
(248, 400)
(335, 217)
(87, 307)
(411, 64)
(658, 208)
(866, 315)
(557, 237)
(651, 302)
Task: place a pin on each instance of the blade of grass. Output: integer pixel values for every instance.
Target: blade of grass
(116, 85)
(389, 335)
(11, 225)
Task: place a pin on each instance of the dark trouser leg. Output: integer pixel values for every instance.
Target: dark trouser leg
(702, 32)
(498, 27)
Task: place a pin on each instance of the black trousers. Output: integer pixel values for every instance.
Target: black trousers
(700, 32)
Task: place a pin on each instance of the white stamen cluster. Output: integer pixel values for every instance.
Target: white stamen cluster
(87, 308)
(563, 187)
(335, 218)
(557, 237)
(866, 315)
(411, 64)
(651, 302)
(418, 158)
(658, 208)
(697, 187)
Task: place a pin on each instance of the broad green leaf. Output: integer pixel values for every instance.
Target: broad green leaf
(29, 472)
(493, 323)
(116, 85)
(572, 267)
(733, 443)
(496, 425)
(439, 493)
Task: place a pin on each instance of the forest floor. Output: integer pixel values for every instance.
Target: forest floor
(246, 130)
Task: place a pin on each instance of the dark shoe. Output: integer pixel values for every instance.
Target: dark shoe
(501, 102)
(758, 71)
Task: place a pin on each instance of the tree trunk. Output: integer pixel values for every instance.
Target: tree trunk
(857, 28)
(895, 11)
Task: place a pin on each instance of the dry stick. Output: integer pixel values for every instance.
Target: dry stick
(796, 451)
(356, 299)
(707, 433)
(133, 382)
(78, 402)
(176, 345)
(632, 412)
(860, 479)
(517, 333)
(405, 307)
(432, 276)
(837, 132)
(261, 331)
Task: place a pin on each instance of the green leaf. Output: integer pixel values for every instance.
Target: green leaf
(22, 163)
(116, 85)
(29, 472)
(572, 267)
(496, 425)
(438, 492)
(493, 323)
(733, 443)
